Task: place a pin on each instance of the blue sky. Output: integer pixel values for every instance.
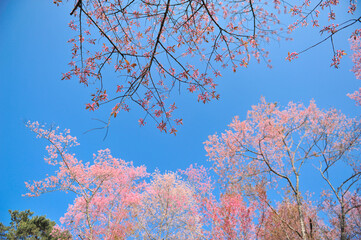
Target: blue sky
(34, 53)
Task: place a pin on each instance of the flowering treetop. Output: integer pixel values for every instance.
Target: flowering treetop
(156, 47)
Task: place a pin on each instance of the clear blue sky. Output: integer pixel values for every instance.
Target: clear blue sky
(34, 53)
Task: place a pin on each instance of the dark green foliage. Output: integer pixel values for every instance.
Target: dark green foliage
(24, 226)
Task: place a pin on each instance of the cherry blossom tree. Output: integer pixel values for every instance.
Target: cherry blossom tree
(282, 222)
(150, 46)
(227, 216)
(354, 221)
(355, 41)
(168, 210)
(342, 201)
(272, 149)
(343, 212)
(106, 191)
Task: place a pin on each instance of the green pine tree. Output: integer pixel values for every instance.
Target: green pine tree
(24, 226)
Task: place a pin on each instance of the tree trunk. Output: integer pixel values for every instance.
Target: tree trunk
(300, 214)
(343, 222)
(299, 206)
